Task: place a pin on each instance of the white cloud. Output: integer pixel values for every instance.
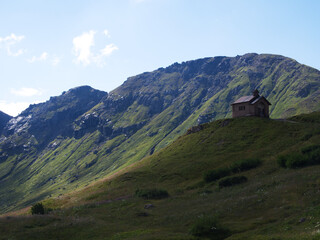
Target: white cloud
(13, 108)
(82, 49)
(108, 49)
(26, 92)
(15, 54)
(12, 38)
(54, 59)
(41, 58)
(9, 41)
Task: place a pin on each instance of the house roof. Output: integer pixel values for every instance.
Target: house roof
(252, 99)
(259, 98)
(244, 99)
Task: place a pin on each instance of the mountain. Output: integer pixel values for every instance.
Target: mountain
(273, 203)
(4, 118)
(55, 117)
(84, 134)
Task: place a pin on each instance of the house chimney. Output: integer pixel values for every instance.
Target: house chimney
(255, 93)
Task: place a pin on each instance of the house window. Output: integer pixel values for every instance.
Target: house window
(242, 108)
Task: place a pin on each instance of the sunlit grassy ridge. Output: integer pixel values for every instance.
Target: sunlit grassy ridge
(275, 203)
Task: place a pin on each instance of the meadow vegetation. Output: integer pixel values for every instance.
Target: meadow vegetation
(235, 167)
(209, 227)
(307, 156)
(231, 181)
(37, 209)
(151, 193)
(274, 202)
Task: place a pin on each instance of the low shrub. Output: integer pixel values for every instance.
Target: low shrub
(282, 161)
(309, 149)
(245, 164)
(308, 156)
(296, 160)
(151, 193)
(230, 181)
(216, 174)
(314, 157)
(208, 227)
(37, 209)
(236, 167)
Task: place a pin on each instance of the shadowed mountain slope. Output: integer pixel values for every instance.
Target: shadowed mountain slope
(4, 118)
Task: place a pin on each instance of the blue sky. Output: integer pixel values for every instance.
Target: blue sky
(47, 47)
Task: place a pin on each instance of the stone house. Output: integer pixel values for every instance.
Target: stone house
(254, 105)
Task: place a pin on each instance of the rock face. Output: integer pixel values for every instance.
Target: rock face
(85, 134)
(4, 118)
(46, 121)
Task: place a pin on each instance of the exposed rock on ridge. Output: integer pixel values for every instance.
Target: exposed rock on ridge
(4, 118)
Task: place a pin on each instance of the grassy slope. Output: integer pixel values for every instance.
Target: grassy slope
(269, 206)
(291, 88)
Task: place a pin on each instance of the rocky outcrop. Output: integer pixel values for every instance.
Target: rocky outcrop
(194, 129)
(4, 119)
(46, 121)
(87, 123)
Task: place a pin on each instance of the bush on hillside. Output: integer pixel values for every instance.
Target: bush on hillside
(309, 149)
(314, 157)
(208, 227)
(296, 160)
(231, 181)
(282, 161)
(37, 209)
(245, 164)
(308, 156)
(236, 167)
(151, 193)
(216, 174)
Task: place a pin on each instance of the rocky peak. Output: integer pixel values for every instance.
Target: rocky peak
(54, 117)
(82, 90)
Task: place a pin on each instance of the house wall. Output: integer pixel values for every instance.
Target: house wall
(250, 109)
(264, 106)
(237, 111)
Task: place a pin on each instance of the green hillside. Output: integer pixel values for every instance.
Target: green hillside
(84, 135)
(274, 203)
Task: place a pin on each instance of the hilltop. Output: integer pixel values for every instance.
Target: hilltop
(274, 202)
(85, 134)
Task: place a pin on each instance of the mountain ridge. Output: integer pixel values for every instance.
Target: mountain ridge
(50, 116)
(146, 113)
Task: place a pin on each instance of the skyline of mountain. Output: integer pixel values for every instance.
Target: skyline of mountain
(85, 134)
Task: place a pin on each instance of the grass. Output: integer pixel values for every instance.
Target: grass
(216, 174)
(208, 227)
(151, 193)
(236, 167)
(245, 165)
(231, 181)
(275, 203)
